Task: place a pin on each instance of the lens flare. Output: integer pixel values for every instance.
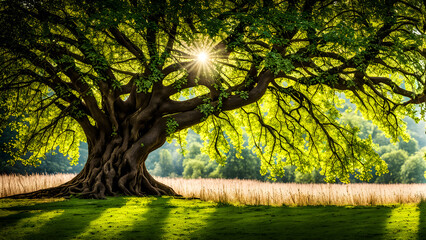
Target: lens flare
(203, 57)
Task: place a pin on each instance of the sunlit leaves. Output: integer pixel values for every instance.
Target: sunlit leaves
(171, 125)
(205, 57)
(276, 63)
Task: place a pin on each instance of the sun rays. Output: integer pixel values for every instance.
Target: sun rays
(203, 57)
(200, 57)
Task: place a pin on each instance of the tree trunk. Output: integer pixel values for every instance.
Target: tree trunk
(113, 168)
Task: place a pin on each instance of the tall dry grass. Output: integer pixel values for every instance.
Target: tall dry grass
(250, 191)
(11, 184)
(265, 193)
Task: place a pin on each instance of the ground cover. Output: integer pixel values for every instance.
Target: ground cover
(169, 218)
(251, 192)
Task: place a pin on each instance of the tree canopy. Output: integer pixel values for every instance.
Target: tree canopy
(126, 75)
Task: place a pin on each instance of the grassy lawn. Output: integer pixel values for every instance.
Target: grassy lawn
(168, 218)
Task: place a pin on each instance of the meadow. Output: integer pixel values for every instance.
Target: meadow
(251, 192)
(227, 209)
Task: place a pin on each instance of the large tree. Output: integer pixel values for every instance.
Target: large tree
(127, 75)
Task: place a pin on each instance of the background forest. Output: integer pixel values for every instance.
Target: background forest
(405, 160)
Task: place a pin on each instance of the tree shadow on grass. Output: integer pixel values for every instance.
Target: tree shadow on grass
(72, 218)
(14, 218)
(163, 218)
(151, 225)
(325, 222)
(422, 221)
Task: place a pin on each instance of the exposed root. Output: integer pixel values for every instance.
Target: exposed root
(147, 185)
(113, 168)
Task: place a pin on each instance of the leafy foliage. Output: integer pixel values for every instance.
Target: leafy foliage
(413, 169)
(52, 162)
(164, 166)
(113, 70)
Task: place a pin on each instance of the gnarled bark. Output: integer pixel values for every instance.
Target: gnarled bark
(116, 167)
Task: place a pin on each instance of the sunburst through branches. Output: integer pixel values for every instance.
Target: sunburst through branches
(203, 55)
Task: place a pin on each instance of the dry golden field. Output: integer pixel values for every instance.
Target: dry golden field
(252, 192)
(15, 184)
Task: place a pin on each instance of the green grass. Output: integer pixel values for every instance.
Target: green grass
(168, 218)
